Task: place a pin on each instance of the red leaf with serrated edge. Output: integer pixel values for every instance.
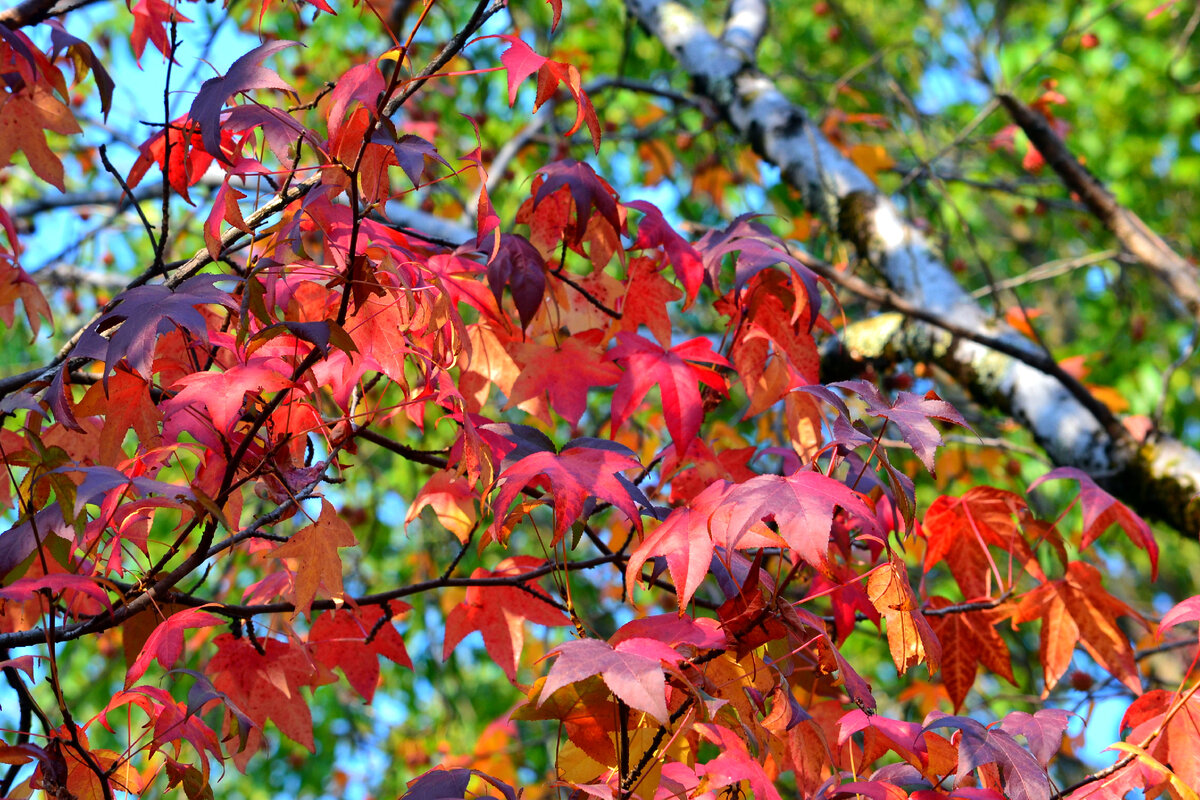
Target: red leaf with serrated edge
(580, 471)
(802, 505)
(338, 639)
(564, 373)
(165, 643)
(734, 764)
(969, 638)
(1178, 744)
(647, 296)
(687, 540)
(1077, 609)
(632, 670)
(653, 231)
(500, 613)
(1101, 511)
(521, 61)
(245, 74)
(961, 529)
(647, 365)
(150, 20)
(221, 396)
(911, 414)
(178, 153)
(266, 685)
(315, 549)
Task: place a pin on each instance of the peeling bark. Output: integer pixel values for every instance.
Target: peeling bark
(1160, 478)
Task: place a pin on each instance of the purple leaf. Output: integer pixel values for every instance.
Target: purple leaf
(146, 312)
(518, 265)
(245, 74)
(1042, 729)
(18, 542)
(911, 414)
(1024, 778)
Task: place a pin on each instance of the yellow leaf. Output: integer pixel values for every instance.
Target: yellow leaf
(1179, 789)
(871, 159)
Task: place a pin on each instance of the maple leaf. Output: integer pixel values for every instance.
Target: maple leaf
(734, 764)
(688, 541)
(545, 370)
(588, 191)
(1177, 722)
(801, 505)
(146, 312)
(452, 500)
(150, 20)
(1043, 730)
(266, 685)
(24, 115)
(646, 298)
(910, 637)
(500, 612)
(1024, 778)
(632, 670)
(518, 265)
(1101, 511)
(647, 364)
(653, 231)
(354, 640)
(315, 548)
(967, 639)
(223, 394)
(15, 284)
(960, 530)
(244, 74)
(126, 404)
(1077, 609)
(584, 468)
(165, 643)
(178, 153)
(521, 62)
(911, 414)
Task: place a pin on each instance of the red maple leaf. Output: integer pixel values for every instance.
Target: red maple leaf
(500, 613)
(564, 373)
(521, 62)
(354, 640)
(585, 468)
(266, 685)
(647, 365)
(687, 540)
(632, 670)
(315, 549)
(165, 643)
(1101, 511)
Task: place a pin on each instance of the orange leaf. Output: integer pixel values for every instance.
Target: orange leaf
(910, 638)
(315, 548)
